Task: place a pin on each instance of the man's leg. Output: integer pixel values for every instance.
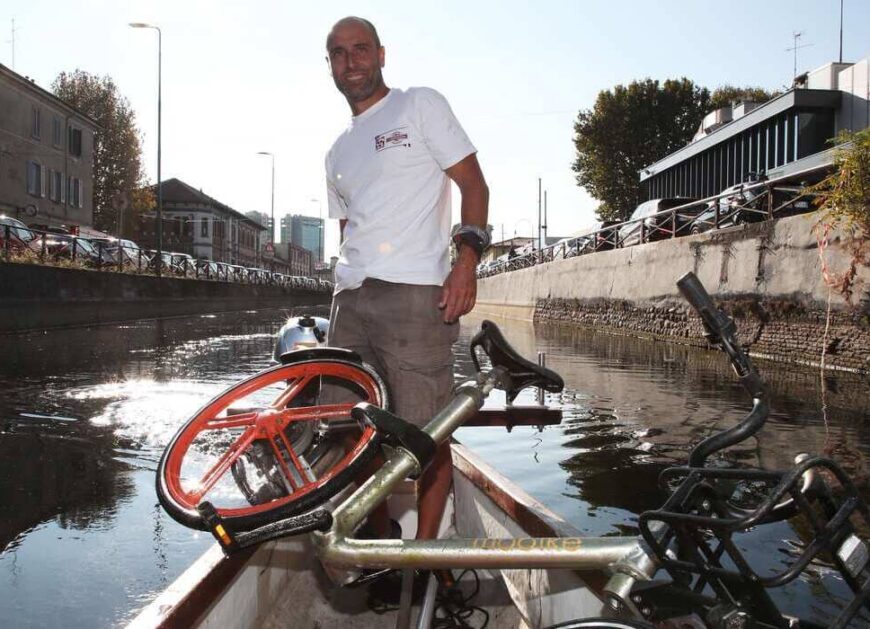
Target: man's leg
(416, 348)
(432, 491)
(347, 329)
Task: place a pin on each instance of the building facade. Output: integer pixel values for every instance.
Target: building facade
(293, 259)
(305, 232)
(196, 224)
(787, 135)
(46, 156)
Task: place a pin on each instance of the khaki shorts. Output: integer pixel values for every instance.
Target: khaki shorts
(399, 330)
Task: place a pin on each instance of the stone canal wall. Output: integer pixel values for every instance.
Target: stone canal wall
(768, 276)
(34, 297)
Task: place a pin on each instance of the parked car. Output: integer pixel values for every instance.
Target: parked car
(183, 264)
(207, 269)
(605, 236)
(130, 253)
(743, 203)
(166, 264)
(14, 235)
(647, 224)
(57, 243)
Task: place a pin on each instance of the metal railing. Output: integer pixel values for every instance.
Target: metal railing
(28, 245)
(750, 203)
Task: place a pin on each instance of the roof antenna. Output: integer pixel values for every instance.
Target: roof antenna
(796, 35)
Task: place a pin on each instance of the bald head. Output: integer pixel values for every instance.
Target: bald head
(353, 20)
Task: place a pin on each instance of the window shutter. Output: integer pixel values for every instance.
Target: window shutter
(62, 190)
(81, 194)
(41, 181)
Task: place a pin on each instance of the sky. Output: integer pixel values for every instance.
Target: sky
(243, 77)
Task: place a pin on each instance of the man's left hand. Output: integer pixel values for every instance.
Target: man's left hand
(460, 288)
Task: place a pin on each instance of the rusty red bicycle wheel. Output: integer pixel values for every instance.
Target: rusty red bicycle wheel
(258, 418)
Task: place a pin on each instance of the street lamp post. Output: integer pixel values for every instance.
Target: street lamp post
(159, 115)
(322, 234)
(272, 230)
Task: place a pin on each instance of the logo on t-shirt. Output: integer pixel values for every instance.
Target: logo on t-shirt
(392, 139)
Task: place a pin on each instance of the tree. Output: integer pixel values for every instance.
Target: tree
(726, 94)
(118, 171)
(628, 129)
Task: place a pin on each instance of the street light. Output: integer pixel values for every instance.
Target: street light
(159, 108)
(272, 230)
(320, 214)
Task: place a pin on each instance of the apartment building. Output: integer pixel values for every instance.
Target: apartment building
(46, 156)
(197, 224)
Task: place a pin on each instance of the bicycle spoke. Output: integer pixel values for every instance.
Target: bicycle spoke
(242, 420)
(292, 390)
(314, 413)
(223, 464)
(285, 469)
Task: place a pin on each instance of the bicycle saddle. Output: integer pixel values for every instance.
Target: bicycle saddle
(519, 373)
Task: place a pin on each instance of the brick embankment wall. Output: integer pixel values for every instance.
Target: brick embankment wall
(34, 297)
(768, 276)
(774, 329)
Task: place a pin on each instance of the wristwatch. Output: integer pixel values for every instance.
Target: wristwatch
(473, 236)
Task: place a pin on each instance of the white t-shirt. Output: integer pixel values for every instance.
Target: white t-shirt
(385, 175)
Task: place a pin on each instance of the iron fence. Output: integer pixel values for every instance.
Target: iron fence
(54, 248)
(747, 203)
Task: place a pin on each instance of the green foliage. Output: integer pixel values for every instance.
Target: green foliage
(632, 127)
(629, 128)
(118, 168)
(726, 94)
(843, 199)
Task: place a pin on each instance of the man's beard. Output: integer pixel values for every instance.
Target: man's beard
(360, 92)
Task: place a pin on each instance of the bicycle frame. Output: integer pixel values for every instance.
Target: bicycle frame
(626, 557)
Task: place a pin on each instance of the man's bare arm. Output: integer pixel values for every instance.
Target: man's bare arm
(459, 292)
(342, 223)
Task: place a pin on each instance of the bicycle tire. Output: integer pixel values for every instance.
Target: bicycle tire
(180, 503)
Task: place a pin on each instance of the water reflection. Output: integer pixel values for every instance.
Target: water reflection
(85, 413)
(634, 407)
(83, 419)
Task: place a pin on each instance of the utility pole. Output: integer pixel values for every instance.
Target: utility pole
(539, 213)
(841, 31)
(544, 226)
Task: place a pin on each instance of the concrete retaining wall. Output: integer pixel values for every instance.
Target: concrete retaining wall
(767, 275)
(38, 297)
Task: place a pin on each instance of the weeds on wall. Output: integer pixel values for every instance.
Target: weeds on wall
(843, 200)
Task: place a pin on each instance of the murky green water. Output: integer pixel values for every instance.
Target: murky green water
(85, 413)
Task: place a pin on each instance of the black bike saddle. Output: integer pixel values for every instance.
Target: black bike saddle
(521, 373)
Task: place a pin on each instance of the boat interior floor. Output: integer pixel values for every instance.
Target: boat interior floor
(310, 600)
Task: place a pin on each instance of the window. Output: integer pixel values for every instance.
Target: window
(55, 185)
(75, 192)
(56, 131)
(35, 122)
(75, 142)
(35, 183)
(203, 230)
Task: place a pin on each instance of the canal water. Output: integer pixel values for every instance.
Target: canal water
(85, 413)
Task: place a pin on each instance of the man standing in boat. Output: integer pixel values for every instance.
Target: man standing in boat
(397, 300)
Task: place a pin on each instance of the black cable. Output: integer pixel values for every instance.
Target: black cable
(456, 608)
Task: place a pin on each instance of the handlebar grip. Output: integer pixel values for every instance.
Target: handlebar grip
(695, 293)
(231, 542)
